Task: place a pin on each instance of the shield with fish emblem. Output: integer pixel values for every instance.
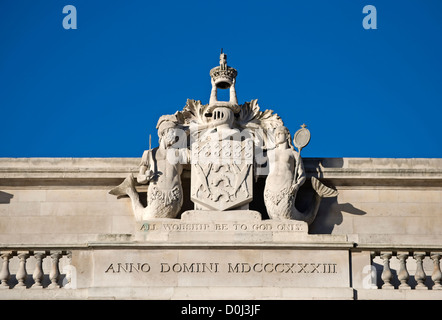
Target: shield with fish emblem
(221, 172)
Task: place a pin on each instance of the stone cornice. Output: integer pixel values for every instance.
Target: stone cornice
(109, 171)
(403, 172)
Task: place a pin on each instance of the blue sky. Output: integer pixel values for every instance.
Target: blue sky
(99, 90)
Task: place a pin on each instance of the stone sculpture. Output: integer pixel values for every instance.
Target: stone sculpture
(221, 176)
(286, 176)
(161, 173)
(225, 143)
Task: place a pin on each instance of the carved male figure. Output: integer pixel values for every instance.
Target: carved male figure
(162, 173)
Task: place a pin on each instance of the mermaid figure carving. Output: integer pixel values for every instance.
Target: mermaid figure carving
(286, 176)
(163, 177)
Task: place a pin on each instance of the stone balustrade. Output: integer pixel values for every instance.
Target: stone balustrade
(395, 272)
(45, 266)
(402, 269)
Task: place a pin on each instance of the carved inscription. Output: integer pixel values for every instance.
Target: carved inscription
(128, 267)
(282, 267)
(160, 267)
(229, 267)
(182, 226)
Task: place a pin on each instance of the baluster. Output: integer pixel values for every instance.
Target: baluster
(386, 275)
(54, 275)
(68, 269)
(420, 273)
(403, 274)
(21, 272)
(38, 271)
(373, 273)
(4, 273)
(437, 274)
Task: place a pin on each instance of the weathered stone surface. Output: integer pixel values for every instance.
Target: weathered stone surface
(407, 212)
(64, 203)
(212, 268)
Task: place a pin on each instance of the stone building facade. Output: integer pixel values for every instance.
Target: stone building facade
(224, 208)
(64, 236)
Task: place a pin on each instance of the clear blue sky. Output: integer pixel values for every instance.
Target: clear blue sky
(99, 90)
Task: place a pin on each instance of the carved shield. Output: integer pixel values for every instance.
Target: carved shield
(221, 173)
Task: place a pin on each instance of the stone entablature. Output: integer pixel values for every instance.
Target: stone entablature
(340, 171)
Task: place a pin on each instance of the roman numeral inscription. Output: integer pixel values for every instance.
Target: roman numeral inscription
(282, 267)
(219, 267)
(216, 267)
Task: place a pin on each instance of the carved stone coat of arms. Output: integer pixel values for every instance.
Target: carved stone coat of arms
(221, 174)
(226, 144)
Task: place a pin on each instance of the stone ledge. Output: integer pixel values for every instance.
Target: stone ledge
(398, 294)
(110, 171)
(220, 293)
(43, 294)
(312, 244)
(398, 241)
(229, 215)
